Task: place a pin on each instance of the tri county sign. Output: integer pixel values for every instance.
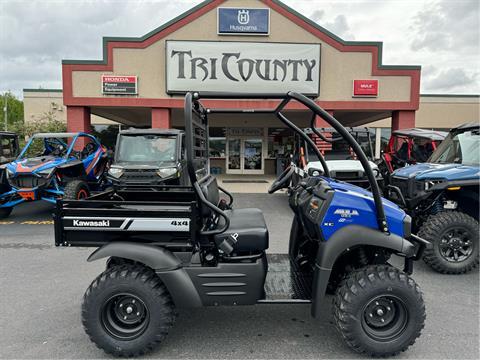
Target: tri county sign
(242, 67)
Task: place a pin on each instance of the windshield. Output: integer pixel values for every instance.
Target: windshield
(461, 148)
(55, 146)
(8, 147)
(146, 149)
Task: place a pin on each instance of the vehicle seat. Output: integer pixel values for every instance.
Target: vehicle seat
(247, 225)
(249, 229)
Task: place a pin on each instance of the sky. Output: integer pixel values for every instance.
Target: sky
(442, 36)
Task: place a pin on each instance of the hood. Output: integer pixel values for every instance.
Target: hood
(340, 165)
(34, 165)
(429, 171)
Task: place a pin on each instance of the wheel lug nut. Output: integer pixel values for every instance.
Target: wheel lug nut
(388, 308)
(133, 301)
(371, 315)
(124, 318)
(376, 303)
(138, 314)
(382, 320)
(121, 305)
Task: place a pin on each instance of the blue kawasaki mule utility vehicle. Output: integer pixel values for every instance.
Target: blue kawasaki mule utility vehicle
(442, 197)
(184, 246)
(53, 165)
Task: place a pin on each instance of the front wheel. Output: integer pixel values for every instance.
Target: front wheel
(455, 240)
(379, 310)
(76, 190)
(5, 212)
(127, 311)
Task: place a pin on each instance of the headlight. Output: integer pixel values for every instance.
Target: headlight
(166, 172)
(46, 173)
(115, 172)
(431, 183)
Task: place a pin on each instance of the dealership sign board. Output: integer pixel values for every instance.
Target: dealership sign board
(245, 67)
(238, 21)
(367, 88)
(119, 85)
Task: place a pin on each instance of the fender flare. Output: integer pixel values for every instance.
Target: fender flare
(165, 264)
(343, 239)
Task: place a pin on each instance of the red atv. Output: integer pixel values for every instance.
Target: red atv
(408, 147)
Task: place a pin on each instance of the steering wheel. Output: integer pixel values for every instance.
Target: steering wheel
(283, 180)
(58, 151)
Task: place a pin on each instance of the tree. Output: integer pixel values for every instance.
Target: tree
(14, 110)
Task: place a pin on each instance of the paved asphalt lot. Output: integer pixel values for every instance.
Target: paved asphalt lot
(41, 288)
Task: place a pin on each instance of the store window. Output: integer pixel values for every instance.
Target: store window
(280, 142)
(217, 142)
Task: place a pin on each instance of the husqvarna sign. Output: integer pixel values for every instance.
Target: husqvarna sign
(243, 21)
(242, 67)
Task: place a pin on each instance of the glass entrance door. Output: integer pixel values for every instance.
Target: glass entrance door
(245, 156)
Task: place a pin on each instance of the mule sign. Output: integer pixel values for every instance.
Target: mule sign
(242, 67)
(244, 21)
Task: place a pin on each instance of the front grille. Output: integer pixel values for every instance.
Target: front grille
(140, 175)
(402, 184)
(27, 181)
(346, 175)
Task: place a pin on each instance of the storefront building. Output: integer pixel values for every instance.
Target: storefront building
(247, 46)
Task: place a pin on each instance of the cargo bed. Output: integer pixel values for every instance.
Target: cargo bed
(162, 217)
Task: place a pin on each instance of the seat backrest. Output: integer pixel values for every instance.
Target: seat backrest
(210, 190)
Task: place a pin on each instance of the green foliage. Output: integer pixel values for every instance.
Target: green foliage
(46, 123)
(14, 110)
(106, 134)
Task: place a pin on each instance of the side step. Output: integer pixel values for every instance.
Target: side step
(285, 283)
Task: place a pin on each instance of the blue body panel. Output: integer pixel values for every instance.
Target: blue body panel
(37, 166)
(354, 205)
(429, 171)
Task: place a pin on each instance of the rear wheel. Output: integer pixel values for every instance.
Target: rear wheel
(127, 311)
(76, 190)
(455, 240)
(5, 212)
(379, 310)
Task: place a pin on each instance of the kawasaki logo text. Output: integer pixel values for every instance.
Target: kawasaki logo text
(99, 223)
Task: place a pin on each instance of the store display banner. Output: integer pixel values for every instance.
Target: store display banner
(243, 21)
(246, 67)
(119, 85)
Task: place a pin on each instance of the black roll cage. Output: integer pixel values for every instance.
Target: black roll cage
(196, 131)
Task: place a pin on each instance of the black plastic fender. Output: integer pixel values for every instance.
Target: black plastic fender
(166, 265)
(340, 241)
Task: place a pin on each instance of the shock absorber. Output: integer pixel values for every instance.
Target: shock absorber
(437, 206)
(362, 257)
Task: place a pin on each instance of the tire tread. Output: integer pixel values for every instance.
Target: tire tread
(137, 273)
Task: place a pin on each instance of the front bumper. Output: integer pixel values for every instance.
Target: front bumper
(15, 195)
(145, 181)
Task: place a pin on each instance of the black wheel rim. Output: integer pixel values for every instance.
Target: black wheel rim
(125, 316)
(385, 318)
(456, 244)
